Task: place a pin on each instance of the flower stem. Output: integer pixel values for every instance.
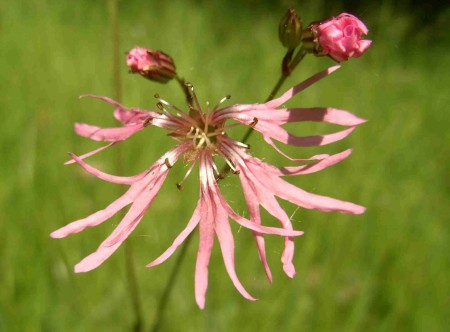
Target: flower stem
(117, 84)
(288, 66)
(169, 286)
(185, 89)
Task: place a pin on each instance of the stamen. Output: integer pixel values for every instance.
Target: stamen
(242, 145)
(221, 101)
(194, 96)
(196, 134)
(215, 169)
(219, 177)
(190, 131)
(220, 130)
(232, 167)
(253, 123)
(179, 184)
(201, 141)
(168, 164)
(178, 111)
(160, 106)
(171, 105)
(147, 121)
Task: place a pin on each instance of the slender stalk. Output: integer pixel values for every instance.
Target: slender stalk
(169, 286)
(286, 71)
(288, 67)
(117, 84)
(187, 93)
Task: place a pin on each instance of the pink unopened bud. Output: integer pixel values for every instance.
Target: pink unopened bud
(154, 65)
(339, 37)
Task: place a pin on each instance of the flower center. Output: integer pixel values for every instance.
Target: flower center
(203, 136)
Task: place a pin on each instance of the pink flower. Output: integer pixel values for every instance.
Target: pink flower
(154, 65)
(202, 138)
(340, 37)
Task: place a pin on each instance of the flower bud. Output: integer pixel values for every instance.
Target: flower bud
(290, 29)
(154, 65)
(339, 38)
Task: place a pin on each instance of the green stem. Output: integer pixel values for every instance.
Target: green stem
(185, 89)
(169, 286)
(117, 84)
(285, 72)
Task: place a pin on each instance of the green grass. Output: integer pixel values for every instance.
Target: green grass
(382, 271)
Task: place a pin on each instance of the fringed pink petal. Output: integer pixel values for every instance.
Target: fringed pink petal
(226, 242)
(268, 201)
(95, 259)
(84, 156)
(314, 167)
(274, 103)
(303, 198)
(149, 182)
(329, 115)
(316, 114)
(108, 177)
(107, 134)
(255, 217)
(120, 233)
(261, 229)
(105, 99)
(103, 215)
(272, 206)
(280, 134)
(124, 114)
(206, 241)
(133, 115)
(180, 238)
(140, 205)
(94, 219)
(296, 160)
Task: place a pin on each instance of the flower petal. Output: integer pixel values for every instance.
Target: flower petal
(103, 215)
(94, 219)
(122, 231)
(180, 238)
(317, 114)
(108, 177)
(107, 134)
(274, 103)
(84, 156)
(226, 242)
(255, 217)
(314, 167)
(133, 115)
(280, 134)
(105, 99)
(206, 241)
(303, 198)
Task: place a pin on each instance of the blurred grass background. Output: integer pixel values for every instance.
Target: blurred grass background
(383, 271)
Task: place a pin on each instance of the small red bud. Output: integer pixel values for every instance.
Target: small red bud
(154, 65)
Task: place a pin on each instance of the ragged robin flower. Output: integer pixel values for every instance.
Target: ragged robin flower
(201, 136)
